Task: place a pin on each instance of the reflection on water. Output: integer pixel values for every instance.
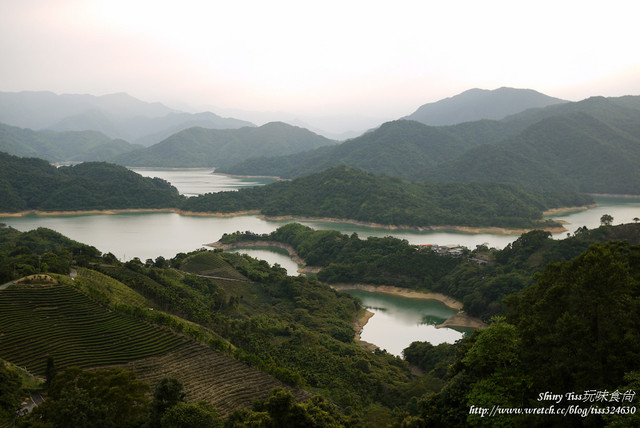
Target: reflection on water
(198, 181)
(272, 256)
(399, 321)
(623, 210)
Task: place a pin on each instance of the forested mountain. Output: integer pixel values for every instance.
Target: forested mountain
(199, 147)
(220, 340)
(347, 193)
(119, 116)
(34, 184)
(571, 151)
(587, 146)
(570, 324)
(61, 146)
(477, 104)
(398, 148)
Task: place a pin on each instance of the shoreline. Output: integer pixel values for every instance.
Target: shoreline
(462, 229)
(128, 211)
(302, 265)
(358, 325)
(614, 195)
(564, 210)
(449, 302)
(460, 319)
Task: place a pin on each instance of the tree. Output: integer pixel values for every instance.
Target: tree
(280, 409)
(10, 388)
(606, 220)
(50, 371)
(190, 415)
(636, 219)
(495, 368)
(579, 323)
(94, 398)
(168, 393)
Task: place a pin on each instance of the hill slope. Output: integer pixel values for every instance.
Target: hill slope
(61, 146)
(199, 147)
(119, 116)
(34, 184)
(572, 151)
(396, 148)
(477, 104)
(347, 193)
(584, 146)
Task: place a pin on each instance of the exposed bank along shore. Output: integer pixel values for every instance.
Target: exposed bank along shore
(462, 229)
(303, 268)
(128, 211)
(460, 319)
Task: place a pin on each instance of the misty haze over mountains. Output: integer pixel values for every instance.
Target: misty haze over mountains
(121, 116)
(477, 104)
(518, 136)
(118, 116)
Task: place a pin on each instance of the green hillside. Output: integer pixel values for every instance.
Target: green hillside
(572, 151)
(200, 147)
(396, 148)
(587, 146)
(347, 193)
(34, 184)
(61, 146)
(478, 104)
(570, 324)
(55, 320)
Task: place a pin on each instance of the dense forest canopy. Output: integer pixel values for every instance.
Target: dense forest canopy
(587, 146)
(572, 327)
(61, 146)
(340, 192)
(481, 287)
(34, 184)
(201, 147)
(348, 193)
(223, 339)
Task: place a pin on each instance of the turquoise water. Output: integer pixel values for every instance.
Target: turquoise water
(399, 321)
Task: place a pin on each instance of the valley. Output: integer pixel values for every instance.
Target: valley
(109, 271)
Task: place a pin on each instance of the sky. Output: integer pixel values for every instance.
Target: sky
(318, 58)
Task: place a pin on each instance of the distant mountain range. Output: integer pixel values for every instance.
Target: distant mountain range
(75, 146)
(589, 146)
(478, 104)
(539, 142)
(200, 147)
(118, 116)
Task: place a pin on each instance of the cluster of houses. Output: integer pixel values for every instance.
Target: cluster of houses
(454, 250)
(450, 250)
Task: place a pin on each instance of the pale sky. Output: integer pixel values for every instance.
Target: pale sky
(373, 58)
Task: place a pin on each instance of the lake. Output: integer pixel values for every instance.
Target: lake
(398, 321)
(149, 235)
(197, 181)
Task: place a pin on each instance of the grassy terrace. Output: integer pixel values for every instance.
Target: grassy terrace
(56, 320)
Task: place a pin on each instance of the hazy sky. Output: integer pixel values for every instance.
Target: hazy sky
(376, 58)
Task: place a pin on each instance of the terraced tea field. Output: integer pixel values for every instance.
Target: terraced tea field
(210, 376)
(56, 320)
(209, 263)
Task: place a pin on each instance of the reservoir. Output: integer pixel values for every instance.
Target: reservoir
(398, 321)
